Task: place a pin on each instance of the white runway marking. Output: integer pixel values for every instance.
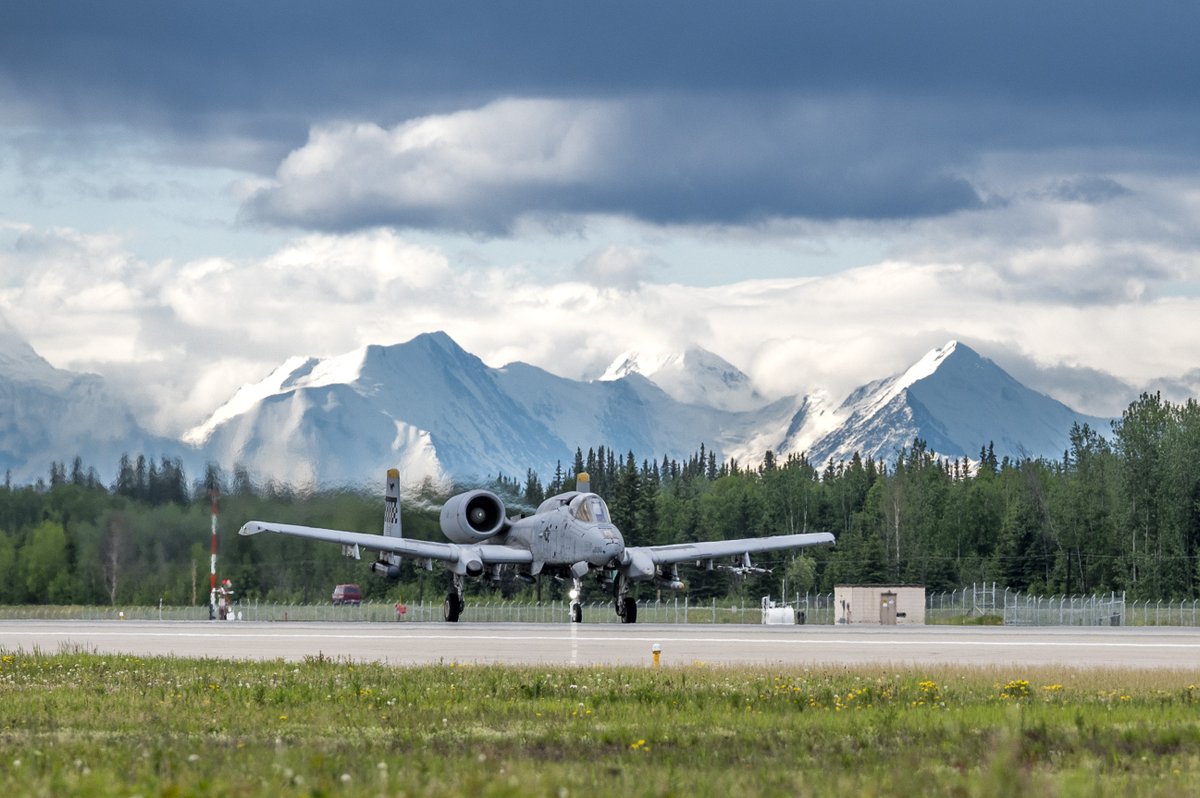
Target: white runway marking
(576, 638)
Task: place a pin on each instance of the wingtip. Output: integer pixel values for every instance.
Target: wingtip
(250, 528)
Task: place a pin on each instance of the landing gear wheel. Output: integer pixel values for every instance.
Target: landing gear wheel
(576, 613)
(629, 610)
(452, 608)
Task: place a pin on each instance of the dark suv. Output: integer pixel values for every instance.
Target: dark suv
(347, 594)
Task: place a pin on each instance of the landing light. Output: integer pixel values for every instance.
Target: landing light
(574, 594)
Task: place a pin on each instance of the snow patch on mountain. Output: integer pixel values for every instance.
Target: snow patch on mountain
(248, 396)
(694, 376)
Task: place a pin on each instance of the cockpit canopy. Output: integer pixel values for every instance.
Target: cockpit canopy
(589, 508)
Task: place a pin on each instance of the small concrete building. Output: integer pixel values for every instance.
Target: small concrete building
(886, 605)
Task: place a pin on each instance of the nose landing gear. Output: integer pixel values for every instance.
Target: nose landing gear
(576, 607)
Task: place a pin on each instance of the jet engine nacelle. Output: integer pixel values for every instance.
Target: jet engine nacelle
(472, 517)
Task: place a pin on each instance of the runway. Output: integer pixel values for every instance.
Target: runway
(597, 644)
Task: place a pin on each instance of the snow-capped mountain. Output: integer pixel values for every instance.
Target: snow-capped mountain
(418, 406)
(439, 411)
(953, 399)
(695, 376)
(435, 410)
(49, 414)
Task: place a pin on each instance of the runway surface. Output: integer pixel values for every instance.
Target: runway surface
(592, 644)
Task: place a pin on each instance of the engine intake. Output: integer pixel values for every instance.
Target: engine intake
(473, 517)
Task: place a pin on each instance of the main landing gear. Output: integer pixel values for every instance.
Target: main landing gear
(455, 603)
(625, 604)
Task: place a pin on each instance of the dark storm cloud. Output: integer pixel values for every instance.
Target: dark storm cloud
(677, 161)
(901, 97)
(307, 57)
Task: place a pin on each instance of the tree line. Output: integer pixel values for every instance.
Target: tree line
(1116, 512)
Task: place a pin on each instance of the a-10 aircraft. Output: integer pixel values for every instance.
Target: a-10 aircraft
(569, 535)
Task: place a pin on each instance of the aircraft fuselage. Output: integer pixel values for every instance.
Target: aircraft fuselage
(556, 537)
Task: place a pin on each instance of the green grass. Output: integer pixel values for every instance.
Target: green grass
(969, 620)
(84, 724)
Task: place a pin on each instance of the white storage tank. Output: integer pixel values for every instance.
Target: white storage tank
(773, 613)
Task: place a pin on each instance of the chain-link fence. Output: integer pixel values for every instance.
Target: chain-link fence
(987, 603)
(677, 610)
(1162, 613)
(992, 603)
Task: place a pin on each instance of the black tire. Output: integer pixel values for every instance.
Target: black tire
(452, 608)
(576, 613)
(630, 613)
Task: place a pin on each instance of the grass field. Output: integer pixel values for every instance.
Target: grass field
(84, 724)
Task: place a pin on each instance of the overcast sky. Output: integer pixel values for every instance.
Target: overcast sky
(818, 192)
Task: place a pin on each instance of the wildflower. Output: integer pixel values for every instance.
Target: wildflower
(1016, 689)
(930, 693)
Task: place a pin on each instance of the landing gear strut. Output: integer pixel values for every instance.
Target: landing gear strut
(576, 607)
(455, 603)
(625, 605)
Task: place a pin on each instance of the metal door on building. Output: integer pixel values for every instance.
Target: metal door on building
(887, 609)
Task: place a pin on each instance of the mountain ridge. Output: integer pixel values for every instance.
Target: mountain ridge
(438, 411)
(938, 399)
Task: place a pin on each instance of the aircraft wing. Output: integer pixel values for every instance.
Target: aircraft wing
(707, 550)
(488, 554)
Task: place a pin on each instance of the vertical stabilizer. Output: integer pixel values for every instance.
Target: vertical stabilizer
(388, 563)
(583, 482)
(391, 505)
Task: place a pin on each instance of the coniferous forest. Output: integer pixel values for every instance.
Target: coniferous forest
(1118, 511)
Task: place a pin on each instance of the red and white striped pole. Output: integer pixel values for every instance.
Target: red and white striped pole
(212, 577)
